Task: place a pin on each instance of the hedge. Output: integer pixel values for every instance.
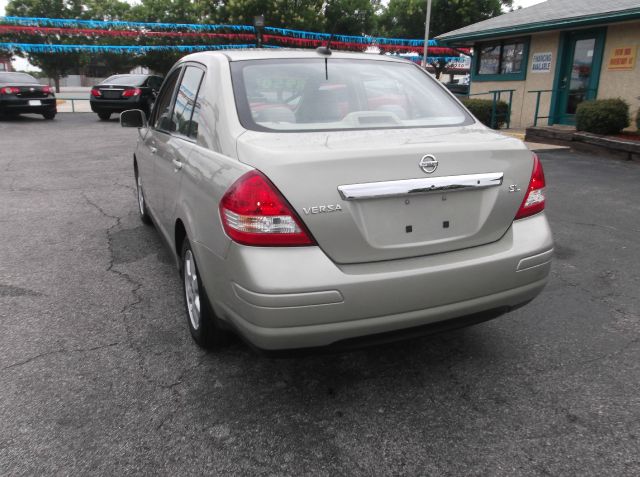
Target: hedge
(481, 109)
(602, 116)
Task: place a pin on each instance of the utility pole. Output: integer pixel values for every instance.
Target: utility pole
(426, 35)
(258, 24)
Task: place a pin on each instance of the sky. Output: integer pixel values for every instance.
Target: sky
(22, 64)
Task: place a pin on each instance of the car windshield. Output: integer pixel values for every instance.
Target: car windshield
(125, 80)
(17, 78)
(340, 94)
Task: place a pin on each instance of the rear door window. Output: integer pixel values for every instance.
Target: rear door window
(186, 110)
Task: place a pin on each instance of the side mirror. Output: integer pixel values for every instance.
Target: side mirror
(133, 118)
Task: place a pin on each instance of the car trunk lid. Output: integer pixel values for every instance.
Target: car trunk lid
(31, 91)
(113, 91)
(364, 196)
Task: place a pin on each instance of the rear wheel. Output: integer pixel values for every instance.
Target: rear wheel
(203, 323)
(49, 115)
(104, 116)
(142, 203)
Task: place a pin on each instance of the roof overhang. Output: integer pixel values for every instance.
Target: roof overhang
(561, 24)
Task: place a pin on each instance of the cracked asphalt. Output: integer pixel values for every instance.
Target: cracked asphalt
(98, 373)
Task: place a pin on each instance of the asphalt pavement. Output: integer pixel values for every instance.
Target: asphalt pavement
(98, 373)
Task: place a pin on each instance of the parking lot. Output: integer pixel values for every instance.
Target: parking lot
(98, 373)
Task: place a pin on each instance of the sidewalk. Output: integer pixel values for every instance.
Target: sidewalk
(519, 133)
(81, 99)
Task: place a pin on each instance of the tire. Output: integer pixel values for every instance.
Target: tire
(104, 116)
(201, 319)
(49, 115)
(143, 212)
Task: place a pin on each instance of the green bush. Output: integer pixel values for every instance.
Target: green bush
(638, 120)
(481, 109)
(602, 116)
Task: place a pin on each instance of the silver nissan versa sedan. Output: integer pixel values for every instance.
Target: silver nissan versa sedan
(325, 200)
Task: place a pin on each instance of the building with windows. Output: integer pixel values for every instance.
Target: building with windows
(554, 55)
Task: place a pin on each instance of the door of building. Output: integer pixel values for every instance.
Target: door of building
(578, 72)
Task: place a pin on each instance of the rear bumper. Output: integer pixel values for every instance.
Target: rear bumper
(21, 106)
(114, 106)
(283, 298)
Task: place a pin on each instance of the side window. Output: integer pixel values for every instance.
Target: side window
(162, 110)
(186, 110)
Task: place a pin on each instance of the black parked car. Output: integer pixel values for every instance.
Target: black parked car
(458, 88)
(121, 92)
(21, 93)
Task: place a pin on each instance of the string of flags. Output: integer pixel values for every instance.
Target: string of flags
(118, 24)
(60, 48)
(229, 36)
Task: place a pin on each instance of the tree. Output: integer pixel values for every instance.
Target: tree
(169, 11)
(406, 18)
(160, 61)
(295, 14)
(106, 10)
(45, 8)
(54, 65)
(351, 17)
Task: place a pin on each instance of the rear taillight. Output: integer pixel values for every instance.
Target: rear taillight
(131, 92)
(9, 90)
(95, 92)
(255, 213)
(534, 198)
(47, 90)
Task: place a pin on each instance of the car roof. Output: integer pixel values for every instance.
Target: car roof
(15, 73)
(285, 53)
(140, 75)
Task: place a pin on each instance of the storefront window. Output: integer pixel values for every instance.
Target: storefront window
(489, 60)
(512, 58)
(502, 60)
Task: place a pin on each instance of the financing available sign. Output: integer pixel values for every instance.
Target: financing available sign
(541, 62)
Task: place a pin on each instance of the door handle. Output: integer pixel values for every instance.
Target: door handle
(153, 149)
(177, 164)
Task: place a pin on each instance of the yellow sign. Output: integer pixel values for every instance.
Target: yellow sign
(623, 58)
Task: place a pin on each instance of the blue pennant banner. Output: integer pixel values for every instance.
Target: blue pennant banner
(70, 22)
(307, 35)
(49, 48)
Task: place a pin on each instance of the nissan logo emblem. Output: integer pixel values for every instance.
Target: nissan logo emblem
(428, 163)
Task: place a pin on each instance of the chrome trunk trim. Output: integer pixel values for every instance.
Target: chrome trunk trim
(376, 190)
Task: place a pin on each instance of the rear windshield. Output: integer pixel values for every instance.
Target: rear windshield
(339, 94)
(125, 80)
(17, 78)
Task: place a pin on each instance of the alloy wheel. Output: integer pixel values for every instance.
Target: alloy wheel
(191, 289)
(140, 194)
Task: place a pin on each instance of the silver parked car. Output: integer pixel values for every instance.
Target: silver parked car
(315, 199)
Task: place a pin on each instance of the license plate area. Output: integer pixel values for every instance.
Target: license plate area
(111, 94)
(423, 219)
(35, 102)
